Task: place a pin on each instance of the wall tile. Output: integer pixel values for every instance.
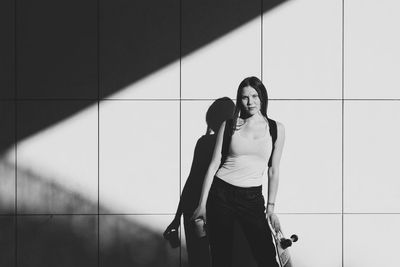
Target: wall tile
(320, 240)
(371, 240)
(219, 50)
(371, 153)
(57, 159)
(7, 51)
(51, 240)
(136, 240)
(139, 156)
(7, 241)
(57, 49)
(372, 57)
(302, 49)
(310, 167)
(139, 49)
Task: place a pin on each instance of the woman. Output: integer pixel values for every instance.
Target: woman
(232, 190)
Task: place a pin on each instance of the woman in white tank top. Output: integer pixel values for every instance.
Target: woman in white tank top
(232, 189)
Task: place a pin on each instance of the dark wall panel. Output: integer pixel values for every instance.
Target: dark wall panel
(7, 242)
(7, 49)
(49, 241)
(136, 39)
(57, 49)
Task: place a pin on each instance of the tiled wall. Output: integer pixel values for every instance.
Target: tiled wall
(104, 102)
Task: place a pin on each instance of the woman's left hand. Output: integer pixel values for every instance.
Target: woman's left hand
(274, 221)
(174, 225)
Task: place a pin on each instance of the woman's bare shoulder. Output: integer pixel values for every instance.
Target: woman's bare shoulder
(280, 128)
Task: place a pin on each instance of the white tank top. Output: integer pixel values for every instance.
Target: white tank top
(246, 161)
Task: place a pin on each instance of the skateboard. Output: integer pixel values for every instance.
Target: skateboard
(281, 246)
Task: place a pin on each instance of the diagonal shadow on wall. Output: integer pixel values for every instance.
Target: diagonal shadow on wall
(57, 60)
(64, 239)
(57, 48)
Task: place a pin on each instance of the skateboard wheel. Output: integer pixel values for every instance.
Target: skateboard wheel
(285, 243)
(294, 238)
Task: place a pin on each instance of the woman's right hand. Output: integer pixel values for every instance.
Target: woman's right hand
(200, 212)
(274, 221)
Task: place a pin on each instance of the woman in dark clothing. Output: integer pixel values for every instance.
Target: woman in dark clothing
(246, 146)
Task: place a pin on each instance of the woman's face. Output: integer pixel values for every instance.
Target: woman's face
(251, 103)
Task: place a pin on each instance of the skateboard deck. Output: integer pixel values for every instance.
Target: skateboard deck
(282, 255)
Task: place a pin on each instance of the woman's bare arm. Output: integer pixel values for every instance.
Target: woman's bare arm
(212, 169)
(273, 171)
(214, 164)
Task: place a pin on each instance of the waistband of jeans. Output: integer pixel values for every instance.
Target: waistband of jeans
(221, 183)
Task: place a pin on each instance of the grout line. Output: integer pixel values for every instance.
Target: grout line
(16, 181)
(98, 184)
(190, 99)
(88, 214)
(339, 213)
(309, 213)
(28, 99)
(262, 40)
(15, 138)
(368, 99)
(342, 133)
(273, 99)
(371, 213)
(180, 119)
(98, 132)
(172, 214)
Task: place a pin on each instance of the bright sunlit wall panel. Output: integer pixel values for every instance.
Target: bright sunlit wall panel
(302, 49)
(372, 55)
(57, 160)
(139, 156)
(371, 240)
(310, 167)
(371, 156)
(139, 49)
(320, 239)
(232, 51)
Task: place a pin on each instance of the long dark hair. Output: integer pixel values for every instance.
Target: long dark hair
(255, 83)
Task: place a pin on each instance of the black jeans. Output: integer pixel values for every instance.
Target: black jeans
(228, 203)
